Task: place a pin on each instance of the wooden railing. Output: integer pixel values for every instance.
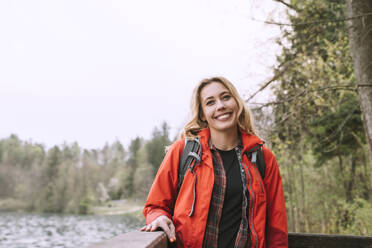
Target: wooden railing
(312, 240)
(137, 239)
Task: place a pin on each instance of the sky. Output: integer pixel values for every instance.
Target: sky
(97, 71)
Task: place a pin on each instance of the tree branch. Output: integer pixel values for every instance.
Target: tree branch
(287, 4)
(339, 128)
(275, 77)
(339, 87)
(314, 22)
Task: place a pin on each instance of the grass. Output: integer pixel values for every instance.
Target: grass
(125, 206)
(10, 204)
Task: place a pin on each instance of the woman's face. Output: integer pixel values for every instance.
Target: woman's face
(220, 109)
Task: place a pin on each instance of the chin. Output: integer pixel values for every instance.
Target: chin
(225, 128)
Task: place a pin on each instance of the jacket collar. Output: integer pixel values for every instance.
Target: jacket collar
(249, 140)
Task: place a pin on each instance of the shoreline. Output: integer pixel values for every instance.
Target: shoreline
(131, 207)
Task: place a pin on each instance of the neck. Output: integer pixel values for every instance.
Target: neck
(226, 140)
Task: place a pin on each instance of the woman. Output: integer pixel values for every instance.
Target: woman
(233, 205)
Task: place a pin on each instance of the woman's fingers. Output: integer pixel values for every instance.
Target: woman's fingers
(172, 232)
(154, 226)
(164, 223)
(146, 228)
(149, 227)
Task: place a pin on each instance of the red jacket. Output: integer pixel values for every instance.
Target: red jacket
(268, 221)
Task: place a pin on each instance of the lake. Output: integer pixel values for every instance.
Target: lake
(30, 230)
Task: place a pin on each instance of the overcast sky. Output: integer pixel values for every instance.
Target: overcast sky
(94, 71)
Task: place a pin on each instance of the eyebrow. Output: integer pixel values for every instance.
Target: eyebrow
(222, 93)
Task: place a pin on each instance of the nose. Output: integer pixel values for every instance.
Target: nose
(220, 104)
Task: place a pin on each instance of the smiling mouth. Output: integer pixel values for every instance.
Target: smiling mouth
(223, 117)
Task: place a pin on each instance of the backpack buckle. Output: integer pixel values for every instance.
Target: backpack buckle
(254, 157)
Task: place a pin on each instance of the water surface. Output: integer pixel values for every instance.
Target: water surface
(28, 230)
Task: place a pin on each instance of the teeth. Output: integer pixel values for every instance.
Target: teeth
(224, 116)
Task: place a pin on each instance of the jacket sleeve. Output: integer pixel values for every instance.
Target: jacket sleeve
(276, 224)
(163, 192)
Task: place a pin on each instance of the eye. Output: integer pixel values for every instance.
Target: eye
(209, 102)
(226, 97)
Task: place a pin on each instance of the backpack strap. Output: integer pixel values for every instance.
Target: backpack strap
(257, 157)
(191, 152)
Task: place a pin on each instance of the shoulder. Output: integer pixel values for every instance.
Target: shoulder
(172, 157)
(267, 152)
(178, 145)
(174, 151)
(268, 156)
(272, 173)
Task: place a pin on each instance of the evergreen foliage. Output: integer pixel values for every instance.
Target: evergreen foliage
(69, 179)
(317, 132)
(156, 146)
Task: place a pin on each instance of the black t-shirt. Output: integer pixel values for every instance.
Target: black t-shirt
(232, 206)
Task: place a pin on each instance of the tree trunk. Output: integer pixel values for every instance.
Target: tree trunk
(302, 218)
(342, 172)
(350, 185)
(360, 33)
(292, 217)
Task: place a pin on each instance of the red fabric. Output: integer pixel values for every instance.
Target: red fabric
(268, 219)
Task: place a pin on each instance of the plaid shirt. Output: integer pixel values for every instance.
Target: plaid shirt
(217, 200)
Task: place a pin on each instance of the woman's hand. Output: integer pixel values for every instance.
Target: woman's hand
(164, 223)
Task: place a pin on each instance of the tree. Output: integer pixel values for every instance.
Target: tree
(156, 146)
(143, 176)
(360, 32)
(127, 173)
(337, 134)
(316, 120)
(49, 177)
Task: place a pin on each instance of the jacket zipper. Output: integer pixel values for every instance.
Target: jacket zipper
(258, 176)
(246, 196)
(252, 203)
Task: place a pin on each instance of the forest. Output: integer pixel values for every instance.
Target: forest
(313, 123)
(70, 179)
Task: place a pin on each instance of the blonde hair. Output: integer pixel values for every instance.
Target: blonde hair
(196, 124)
